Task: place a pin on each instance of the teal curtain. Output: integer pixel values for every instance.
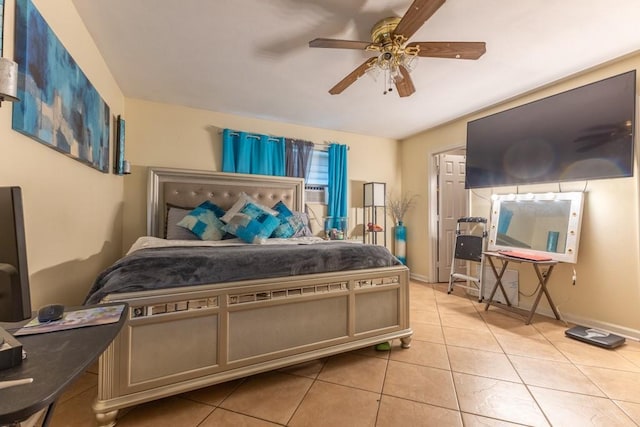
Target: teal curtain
(337, 206)
(244, 152)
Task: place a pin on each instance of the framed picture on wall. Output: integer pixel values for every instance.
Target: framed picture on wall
(59, 106)
(120, 165)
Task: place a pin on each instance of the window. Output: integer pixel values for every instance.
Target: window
(318, 180)
(319, 173)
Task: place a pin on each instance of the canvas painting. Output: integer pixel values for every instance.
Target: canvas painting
(59, 107)
(119, 164)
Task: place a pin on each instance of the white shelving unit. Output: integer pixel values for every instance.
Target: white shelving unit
(374, 210)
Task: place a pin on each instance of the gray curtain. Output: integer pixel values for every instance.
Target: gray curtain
(298, 157)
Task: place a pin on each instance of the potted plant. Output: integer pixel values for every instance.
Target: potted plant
(398, 207)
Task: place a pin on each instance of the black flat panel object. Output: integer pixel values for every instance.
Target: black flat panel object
(595, 336)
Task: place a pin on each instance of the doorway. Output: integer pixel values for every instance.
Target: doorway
(452, 202)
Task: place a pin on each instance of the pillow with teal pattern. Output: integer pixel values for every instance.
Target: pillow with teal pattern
(290, 224)
(252, 224)
(204, 221)
(243, 199)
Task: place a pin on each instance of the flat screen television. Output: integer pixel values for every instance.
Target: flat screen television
(15, 297)
(581, 134)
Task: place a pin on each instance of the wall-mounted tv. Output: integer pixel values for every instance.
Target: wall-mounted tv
(581, 134)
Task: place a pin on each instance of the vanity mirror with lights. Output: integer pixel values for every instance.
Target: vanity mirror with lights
(539, 223)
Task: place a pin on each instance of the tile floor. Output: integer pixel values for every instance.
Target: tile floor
(466, 367)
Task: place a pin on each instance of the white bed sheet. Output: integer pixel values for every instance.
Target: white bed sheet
(146, 242)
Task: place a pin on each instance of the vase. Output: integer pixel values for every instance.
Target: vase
(401, 242)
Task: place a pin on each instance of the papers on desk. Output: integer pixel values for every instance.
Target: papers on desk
(74, 319)
(12, 383)
(526, 255)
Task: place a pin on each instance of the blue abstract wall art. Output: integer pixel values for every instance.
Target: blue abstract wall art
(59, 107)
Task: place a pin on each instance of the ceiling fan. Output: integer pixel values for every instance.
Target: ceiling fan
(598, 135)
(395, 56)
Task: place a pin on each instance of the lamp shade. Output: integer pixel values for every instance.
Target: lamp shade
(8, 80)
(374, 194)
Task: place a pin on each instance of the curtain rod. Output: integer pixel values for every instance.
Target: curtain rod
(321, 145)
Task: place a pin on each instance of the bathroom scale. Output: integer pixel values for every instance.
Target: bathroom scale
(595, 336)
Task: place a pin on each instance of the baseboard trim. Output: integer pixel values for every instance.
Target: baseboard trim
(419, 278)
(623, 331)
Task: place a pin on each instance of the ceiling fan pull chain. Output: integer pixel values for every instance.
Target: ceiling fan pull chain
(385, 82)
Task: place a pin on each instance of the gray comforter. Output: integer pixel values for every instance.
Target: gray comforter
(170, 267)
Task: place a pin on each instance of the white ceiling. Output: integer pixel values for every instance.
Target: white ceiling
(251, 57)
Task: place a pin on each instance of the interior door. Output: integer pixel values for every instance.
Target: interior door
(452, 204)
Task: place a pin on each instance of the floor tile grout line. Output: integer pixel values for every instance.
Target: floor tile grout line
(384, 380)
(475, 375)
(615, 402)
(577, 366)
(205, 418)
(606, 395)
(522, 382)
(315, 379)
(446, 349)
(182, 395)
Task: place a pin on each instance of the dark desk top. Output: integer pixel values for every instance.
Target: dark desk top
(54, 360)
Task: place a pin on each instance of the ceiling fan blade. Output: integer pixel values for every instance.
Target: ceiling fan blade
(405, 85)
(339, 44)
(456, 50)
(352, 77)
(417, 14)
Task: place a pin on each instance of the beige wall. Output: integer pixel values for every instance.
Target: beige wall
(607, 291)
(173, 136)
(73, 213)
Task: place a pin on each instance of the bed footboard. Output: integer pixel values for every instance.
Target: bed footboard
(180, 339)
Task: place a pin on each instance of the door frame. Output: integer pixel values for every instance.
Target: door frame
(433, 201)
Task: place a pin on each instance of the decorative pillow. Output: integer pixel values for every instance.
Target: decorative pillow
(252, 224)
(173, 231)
(203, 221)
(243, 199)
(305, 230)
(289, 224)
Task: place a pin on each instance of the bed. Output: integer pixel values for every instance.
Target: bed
(180, 338)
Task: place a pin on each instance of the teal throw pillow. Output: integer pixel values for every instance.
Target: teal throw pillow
(252, 224)
(289, 223)
(204, 221)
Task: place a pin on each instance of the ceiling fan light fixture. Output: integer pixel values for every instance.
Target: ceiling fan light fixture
(385, 61)
(373, 72)
(395, 76)
(410, 62)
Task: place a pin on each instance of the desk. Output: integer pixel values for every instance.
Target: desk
(54, 360)
(542, 283)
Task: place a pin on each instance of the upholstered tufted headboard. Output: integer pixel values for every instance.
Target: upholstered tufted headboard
(189, 188)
